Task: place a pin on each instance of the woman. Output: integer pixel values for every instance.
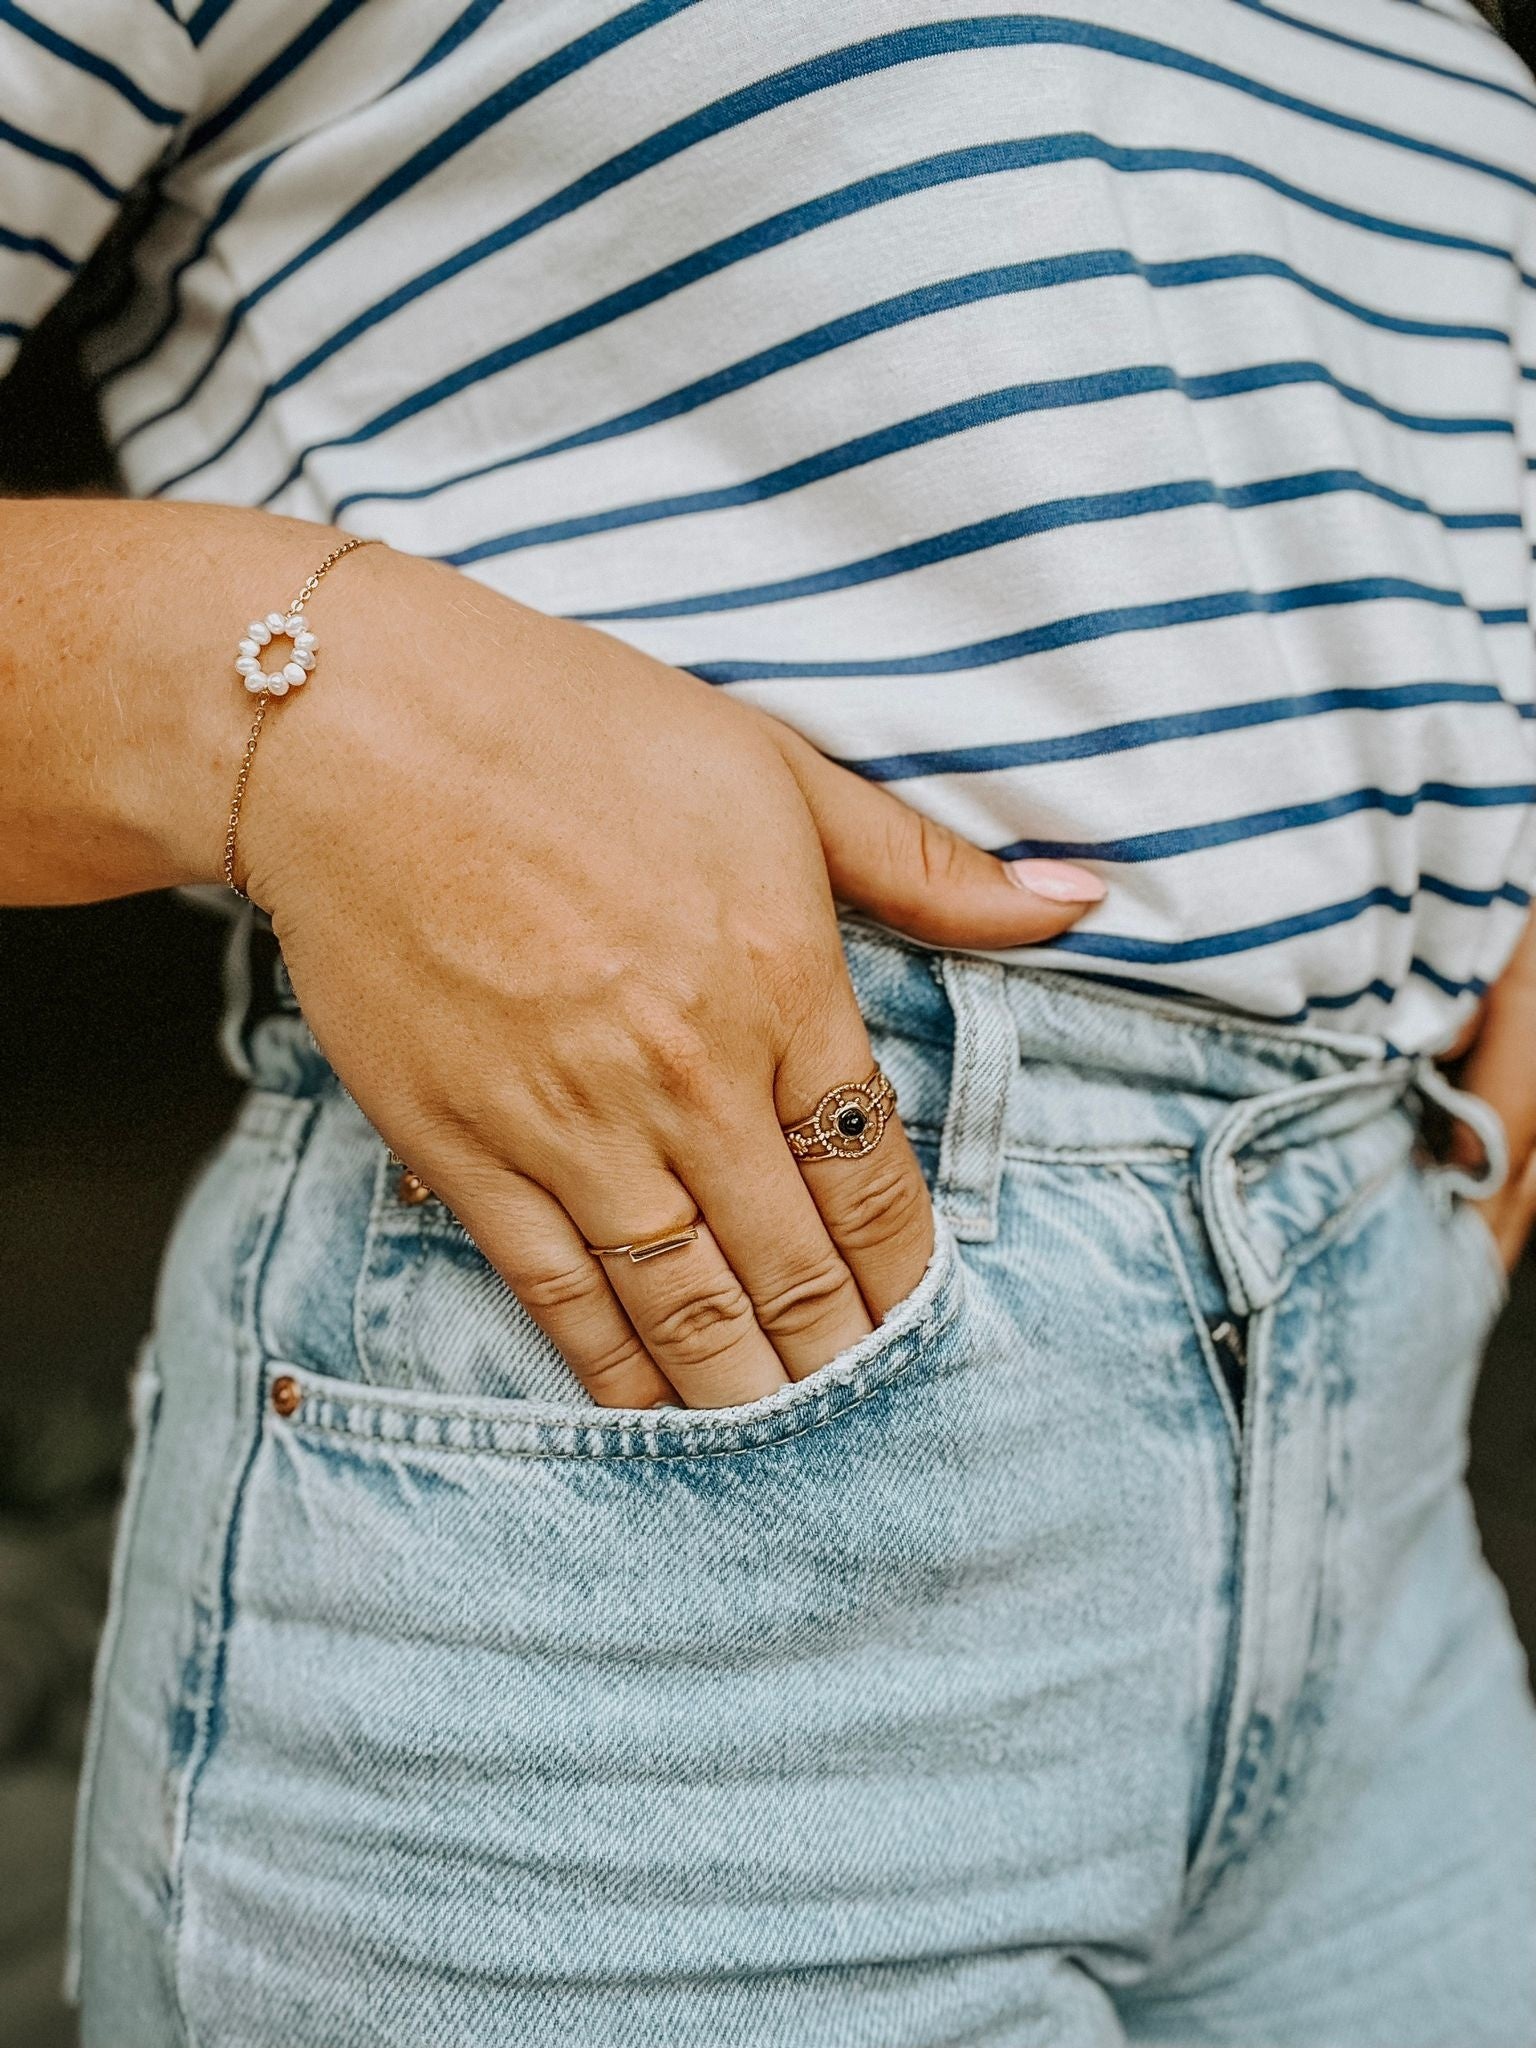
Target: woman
(690, 1555)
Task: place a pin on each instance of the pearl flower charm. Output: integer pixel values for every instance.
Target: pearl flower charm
(288, 675)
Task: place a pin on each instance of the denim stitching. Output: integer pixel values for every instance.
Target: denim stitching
(245, 1342)
(821, 1409)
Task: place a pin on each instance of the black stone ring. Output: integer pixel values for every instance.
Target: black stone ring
(848, 1122)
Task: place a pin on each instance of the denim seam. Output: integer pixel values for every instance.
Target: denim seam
(1224, 1634)
(1215, 1852)
(148, 1394)
(1306, 1249)
(1099, 1155)
(360, 1288)
(246, 1345)
(821, 1413)
(984, 1062)
(1180, 1269)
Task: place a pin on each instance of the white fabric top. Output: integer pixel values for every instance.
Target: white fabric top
(1111, 425)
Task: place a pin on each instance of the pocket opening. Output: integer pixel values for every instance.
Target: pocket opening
(917, 1329)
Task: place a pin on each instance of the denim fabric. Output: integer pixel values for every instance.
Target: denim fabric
(1102, 1651)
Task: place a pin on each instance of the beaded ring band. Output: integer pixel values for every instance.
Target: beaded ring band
(264, 684)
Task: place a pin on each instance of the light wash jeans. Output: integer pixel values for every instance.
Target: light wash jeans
(1100, 1652)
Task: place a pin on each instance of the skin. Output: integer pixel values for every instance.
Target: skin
(562, 918)
(1498, 1062)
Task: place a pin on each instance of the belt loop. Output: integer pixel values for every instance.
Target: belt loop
(985, 1058)
(1484, 1122)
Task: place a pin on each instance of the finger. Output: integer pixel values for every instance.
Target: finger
(874, 1203)
(687, 1306)
(917, 876)
(807, 1301)
(539, 1252)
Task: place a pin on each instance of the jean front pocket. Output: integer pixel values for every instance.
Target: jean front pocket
(926, 1329)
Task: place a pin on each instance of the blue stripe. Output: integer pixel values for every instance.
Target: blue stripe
(507, 99)
(1479, 522)
(1091, 626)
(1141, 984)
(1476, 899)
(1382, 990)
(1508, 615)
(797, 81)
(1475, 987)
(924, 302)
(205, 18)
(1051, 517)
(38, 245)
(81, 59)
(172, 313)
(455, 34)
(1331, 35)
(1130, 734)
(1528, 372)
(277, 71)
(65, 159)
(12, 330)
(1221, 945)
(1182, 839)
(986, 409)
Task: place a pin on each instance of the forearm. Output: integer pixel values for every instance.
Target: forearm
(121, 720)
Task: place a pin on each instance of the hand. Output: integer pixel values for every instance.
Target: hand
(562, 917)
(1500, 1066)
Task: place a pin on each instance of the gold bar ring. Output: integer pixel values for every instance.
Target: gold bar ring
(647, 1247)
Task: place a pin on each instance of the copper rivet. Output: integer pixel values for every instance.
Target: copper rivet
(287, 1394)
(411, 1191)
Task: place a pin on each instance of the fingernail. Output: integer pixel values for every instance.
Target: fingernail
(1057, 880)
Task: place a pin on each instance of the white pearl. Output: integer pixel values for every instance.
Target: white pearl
(256, 683)
(248, 665)
(305, 642)
(303, 658)
(294, 623)
(259, 631)
(248, 647)
(278, 685)
(274, 622)
(293, 673)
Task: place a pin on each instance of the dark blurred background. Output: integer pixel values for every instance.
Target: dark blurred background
(112, 1092)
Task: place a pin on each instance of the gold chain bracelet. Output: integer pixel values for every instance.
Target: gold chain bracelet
(264, 684)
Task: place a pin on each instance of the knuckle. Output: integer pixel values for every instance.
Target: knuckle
(556, 1289)
(702, 1326)
(803, 1302)
(938, 852)
(615, 1375)
(889, 1203)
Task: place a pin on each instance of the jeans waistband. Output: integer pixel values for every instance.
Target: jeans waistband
(991, 1060)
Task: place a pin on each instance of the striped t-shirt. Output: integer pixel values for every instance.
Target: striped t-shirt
(1110, 424)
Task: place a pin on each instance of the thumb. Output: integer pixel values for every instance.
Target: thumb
(919, 877)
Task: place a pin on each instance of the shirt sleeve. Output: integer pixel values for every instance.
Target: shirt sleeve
(92, 94)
